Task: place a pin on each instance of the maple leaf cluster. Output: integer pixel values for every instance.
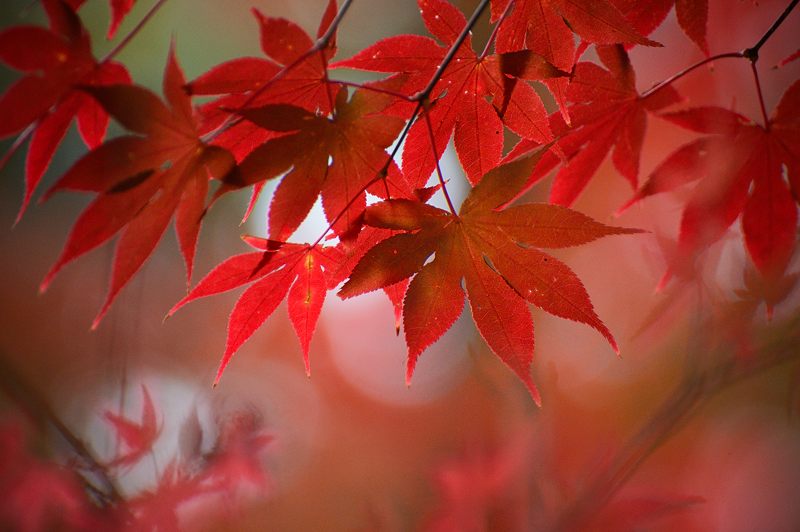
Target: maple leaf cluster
(285, 117)
(40, 494)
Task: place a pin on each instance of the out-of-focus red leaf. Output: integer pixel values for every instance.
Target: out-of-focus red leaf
(137, 438)
(640, 512)
(483, 490)
(37, 495)
(739, 169)
(238, 454)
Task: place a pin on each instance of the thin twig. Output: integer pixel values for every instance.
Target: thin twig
(697, 387)
(753, 51)
(432, 138)
(496, 29)
(451, 53)
(749, 53)
(675, 77)
(319, 46)
(125, 40)
(38, 408)
(419, 97)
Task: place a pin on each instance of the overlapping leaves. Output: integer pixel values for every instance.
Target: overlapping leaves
(142, 180)
(342, 155)
(495, 251)
(461, 106)
(56, 62)
(742, 169)
(608, 115)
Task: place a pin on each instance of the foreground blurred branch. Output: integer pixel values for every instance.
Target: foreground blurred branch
(37, 409)
(777, 345)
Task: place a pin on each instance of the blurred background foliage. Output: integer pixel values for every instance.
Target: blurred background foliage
(352, 448)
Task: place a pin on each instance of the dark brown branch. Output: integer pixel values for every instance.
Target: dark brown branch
(451, 53)
(752, 53)
(688, 398)
(37, 408)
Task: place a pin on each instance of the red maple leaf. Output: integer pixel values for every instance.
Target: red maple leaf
(460, 96)
(157, 509)
(738, 168)
(608, 115)
(142, 180)
(275, 270)
(495, 251)
(486, 489)
(303, 72)
(37, 495)
(546, 26)
(119, 10)
(137, 438)
(341, 155)
(295, 73)
(55, 62)
(237, 454)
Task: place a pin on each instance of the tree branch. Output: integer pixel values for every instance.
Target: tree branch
(37, 408)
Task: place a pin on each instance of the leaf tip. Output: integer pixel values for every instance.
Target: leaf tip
(410, 365)
(627, 205)
(43, 286)
(19, 214)
(534, 391)
(662, 283)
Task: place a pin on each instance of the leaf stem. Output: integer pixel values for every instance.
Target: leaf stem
(432, 138)
(129, 37)
(380, 90)
(381, 174)
(420, 98)
(675, 77)
(328, 93)
(760, 95)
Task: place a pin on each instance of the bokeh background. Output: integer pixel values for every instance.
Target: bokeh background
(353, 448)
